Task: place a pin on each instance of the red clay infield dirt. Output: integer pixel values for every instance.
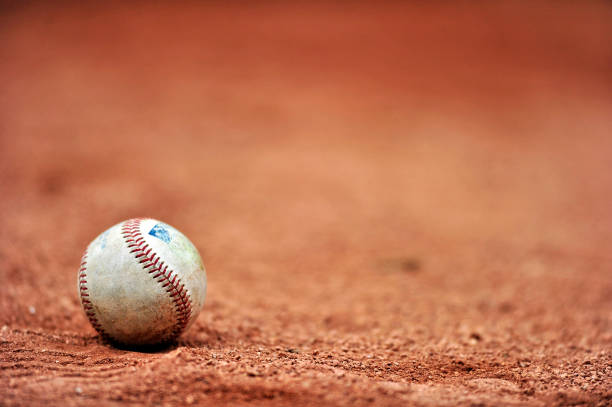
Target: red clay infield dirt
(396, 204)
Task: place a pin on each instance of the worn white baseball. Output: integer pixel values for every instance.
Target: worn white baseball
(141, 282)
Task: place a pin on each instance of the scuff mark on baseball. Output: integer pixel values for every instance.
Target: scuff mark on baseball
(141, 282)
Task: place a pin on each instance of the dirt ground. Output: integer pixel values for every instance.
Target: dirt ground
(396, 204)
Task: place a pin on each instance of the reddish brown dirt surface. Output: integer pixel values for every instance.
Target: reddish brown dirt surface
(397, 205)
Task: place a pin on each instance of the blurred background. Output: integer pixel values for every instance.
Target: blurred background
(438, 171)
(249, 116)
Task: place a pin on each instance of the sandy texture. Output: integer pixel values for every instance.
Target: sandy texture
(400, 205)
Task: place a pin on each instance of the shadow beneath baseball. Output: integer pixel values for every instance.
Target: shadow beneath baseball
(157, 348)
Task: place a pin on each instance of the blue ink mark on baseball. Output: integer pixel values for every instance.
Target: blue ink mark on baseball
(160, 232)
(103, 239)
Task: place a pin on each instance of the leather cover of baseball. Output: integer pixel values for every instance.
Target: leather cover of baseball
(141, 282)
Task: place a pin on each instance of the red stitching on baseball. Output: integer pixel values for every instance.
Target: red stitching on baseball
(180, 297)
(86, 303)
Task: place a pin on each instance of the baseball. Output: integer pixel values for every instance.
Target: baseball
(141, 282)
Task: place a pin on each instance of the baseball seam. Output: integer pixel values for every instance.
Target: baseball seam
(85, 301)
(152, 263)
